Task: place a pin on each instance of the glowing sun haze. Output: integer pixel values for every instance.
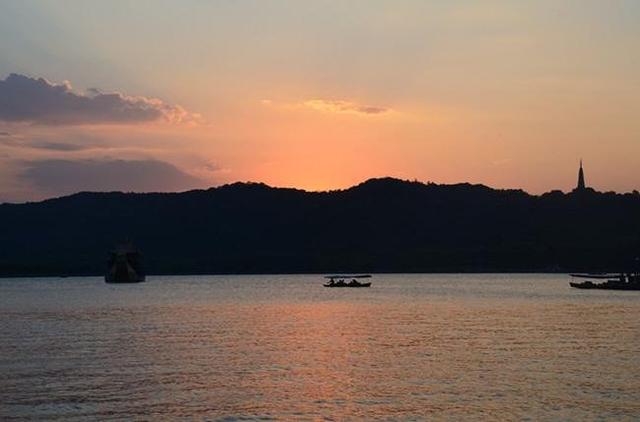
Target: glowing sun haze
(318, 95)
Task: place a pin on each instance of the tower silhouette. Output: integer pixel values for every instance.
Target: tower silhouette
(581, 185)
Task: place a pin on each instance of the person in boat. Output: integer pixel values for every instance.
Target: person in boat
(332, 282)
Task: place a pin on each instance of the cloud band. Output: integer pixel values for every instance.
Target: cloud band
(26, 99)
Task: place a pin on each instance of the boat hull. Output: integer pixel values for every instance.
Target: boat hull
(123, 272)
(347, 285)
(603, 276)
(606, 286)
(123, 280)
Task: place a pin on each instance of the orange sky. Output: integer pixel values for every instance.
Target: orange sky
(318, 95)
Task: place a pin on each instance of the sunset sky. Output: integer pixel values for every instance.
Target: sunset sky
(170, 96)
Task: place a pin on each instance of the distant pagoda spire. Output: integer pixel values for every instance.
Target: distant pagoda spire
(581, 185)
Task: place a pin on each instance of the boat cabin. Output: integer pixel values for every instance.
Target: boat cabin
(347, 280)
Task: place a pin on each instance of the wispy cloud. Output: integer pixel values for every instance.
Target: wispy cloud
(20, 143)
(26, 99)
(332, 106)
(57, 146)
(343, 106)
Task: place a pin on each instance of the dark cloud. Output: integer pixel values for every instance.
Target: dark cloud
(25, 99)
(62, 177)
(39, 144)
(58, 146)
(4, 134)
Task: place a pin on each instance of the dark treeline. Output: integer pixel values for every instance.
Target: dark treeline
(382, 225)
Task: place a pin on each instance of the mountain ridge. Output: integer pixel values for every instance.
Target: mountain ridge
(380, 225)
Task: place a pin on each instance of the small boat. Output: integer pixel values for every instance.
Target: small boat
(125, 265)
(619, 281)
(339, 281)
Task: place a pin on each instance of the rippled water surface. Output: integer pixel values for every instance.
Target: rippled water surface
(411, 347)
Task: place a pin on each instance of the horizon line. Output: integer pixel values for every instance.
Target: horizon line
(249, 182)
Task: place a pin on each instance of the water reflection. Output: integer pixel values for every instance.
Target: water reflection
(399, 352)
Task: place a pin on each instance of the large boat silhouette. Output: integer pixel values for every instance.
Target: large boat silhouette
(616, 281)
(125, 265)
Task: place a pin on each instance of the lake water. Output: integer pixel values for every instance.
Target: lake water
(411, 347)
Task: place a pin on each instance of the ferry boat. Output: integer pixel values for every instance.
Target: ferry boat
(125, 265)
(614, 281)
(340, 281)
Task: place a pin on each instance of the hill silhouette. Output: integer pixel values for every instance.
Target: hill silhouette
(381, 225)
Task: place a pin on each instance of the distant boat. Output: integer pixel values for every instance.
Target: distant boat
(617, 281)
(342, 283)
(125, 265)
(600, 276)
